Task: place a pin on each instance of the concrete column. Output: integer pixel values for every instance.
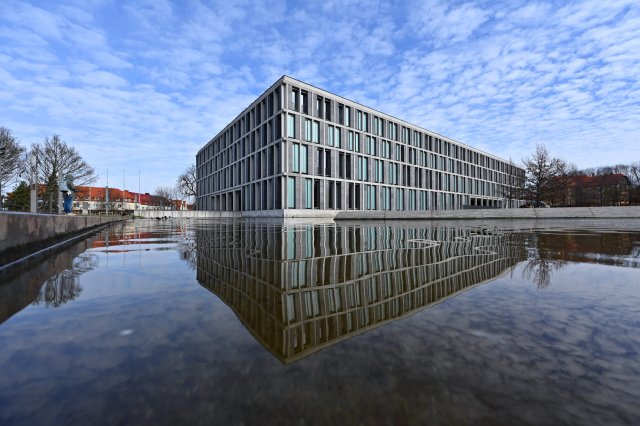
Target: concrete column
(323, 194)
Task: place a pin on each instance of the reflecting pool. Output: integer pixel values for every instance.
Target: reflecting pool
(164, 322)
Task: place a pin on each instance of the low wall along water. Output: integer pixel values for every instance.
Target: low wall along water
(22, 233)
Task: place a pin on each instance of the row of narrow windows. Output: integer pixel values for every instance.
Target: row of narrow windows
(328, 163)
(309, 193)
(338, 137)
(370, 146)
(269, 106)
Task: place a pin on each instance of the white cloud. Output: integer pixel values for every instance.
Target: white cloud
(145, 84)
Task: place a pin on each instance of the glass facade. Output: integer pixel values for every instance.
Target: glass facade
(363, 159)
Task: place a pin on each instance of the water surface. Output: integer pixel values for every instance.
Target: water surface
(158, 322)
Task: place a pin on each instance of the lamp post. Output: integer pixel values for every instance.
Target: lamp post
(106, 202)
(33, 196)
(2, 150)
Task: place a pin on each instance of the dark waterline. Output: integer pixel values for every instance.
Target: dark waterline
(206, 322)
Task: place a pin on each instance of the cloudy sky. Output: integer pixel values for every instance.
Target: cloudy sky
(142, 85)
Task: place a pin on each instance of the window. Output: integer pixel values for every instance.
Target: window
(320, 162)
(295, 166)
(330, 135)
(399, 199)
(347, 116)
(299, 160)
(291, 126)
(338, 139)
(304, 100)
(316, 194)
(332, 191)
(386, 149)
(378, 171)
(412, 199)
(291, 193)
(304, 155)
(393, 173)
(377, 126)
(363, 166)
(386, 198)
(327, 162)
(315, 135)
(393, 131)
(370, 146)
(307, 129)
(293, 101)
(370, 197)
(308, 193)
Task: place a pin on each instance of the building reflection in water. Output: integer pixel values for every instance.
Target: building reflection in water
(299, 289)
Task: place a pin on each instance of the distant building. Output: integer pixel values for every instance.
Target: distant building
(93, 199)
(299, 150)
(612, 189)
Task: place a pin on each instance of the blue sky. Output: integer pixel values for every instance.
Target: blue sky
(142, 85)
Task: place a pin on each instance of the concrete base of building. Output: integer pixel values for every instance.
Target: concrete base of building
(22, 233)
(632, 212)
(524, 213)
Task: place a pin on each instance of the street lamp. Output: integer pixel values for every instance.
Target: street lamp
(2, 150)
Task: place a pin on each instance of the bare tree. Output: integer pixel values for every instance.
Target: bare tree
(11, 159)
(634, 173)
(540, 169)
(565, 173)
(186, 183)
(56, 158)
(163, 196)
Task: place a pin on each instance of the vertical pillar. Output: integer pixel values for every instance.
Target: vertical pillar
(59, 193)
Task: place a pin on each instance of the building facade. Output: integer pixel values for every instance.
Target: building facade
(302, 151)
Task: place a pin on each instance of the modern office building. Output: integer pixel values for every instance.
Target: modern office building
(301, 151)
(299, 289)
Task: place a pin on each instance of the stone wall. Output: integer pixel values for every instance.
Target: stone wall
(21, 231)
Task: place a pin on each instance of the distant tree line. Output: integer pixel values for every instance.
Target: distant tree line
(558, 182)
(54, 158)
(184, 189)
